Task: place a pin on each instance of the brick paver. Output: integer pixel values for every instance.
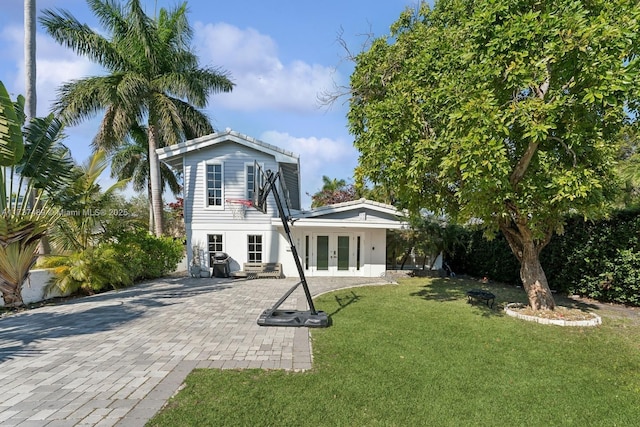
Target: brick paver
(114, 359)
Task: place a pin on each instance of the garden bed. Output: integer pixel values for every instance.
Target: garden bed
(561, 316)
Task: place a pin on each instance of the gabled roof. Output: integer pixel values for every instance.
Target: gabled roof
(351, 205)
(173, 154)
(360, 213)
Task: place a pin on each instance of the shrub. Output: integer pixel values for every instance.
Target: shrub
(479, 257)
(618, 282)
(133, 257)
(90, 271)
(147, 256)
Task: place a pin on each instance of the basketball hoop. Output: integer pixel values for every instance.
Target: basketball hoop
(238, 207)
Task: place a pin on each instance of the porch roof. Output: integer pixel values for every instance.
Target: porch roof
(354, 214)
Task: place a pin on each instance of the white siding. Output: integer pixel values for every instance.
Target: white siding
(234, 158)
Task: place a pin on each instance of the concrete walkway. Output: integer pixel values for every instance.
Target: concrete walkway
(114, 359)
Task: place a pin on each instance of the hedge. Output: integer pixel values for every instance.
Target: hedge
(596, 259)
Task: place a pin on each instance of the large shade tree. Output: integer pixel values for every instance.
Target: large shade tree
(502, 112)
(153, 76)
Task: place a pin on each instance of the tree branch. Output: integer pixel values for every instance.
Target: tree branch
(566, 147)
(523, 164)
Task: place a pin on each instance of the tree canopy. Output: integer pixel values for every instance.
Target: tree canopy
(152, 75)
(504, 112)
(333, 191)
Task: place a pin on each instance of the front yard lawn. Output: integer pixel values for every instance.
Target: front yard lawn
(416, 354)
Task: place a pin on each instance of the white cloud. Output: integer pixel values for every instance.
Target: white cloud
(55, 65)
(262, 80)
(318, 157)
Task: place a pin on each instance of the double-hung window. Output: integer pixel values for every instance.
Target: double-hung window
(214, 184)
(215, 243)
(254, 248)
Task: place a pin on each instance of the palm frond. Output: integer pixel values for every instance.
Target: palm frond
(110, 14)
(175, 28)
(195, 123)
(130, 162)
(63, 27)
(47, 164)
(142, 30)
(163, 112)
(82, 99)
(169, 179)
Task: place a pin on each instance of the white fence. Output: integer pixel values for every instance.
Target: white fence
(33, 288)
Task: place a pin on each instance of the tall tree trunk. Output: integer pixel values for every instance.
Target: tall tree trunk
(30, 57)
(44, 248)
(405, 258)
(154, 180)
(534, 280)
(151, 228)
(527, 250)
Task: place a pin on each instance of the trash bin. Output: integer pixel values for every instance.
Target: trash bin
(220, 263)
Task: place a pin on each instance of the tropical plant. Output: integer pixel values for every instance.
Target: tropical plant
(501, 112)
(333, 191)
(85, 207)
(153, 75)
(93, 270)
(32, 163)
(116, 263)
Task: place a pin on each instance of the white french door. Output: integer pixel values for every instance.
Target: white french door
(336, 254)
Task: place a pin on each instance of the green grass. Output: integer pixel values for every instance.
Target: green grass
(417, 354)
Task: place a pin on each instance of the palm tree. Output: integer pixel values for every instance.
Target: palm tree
(32, 162)
(30, 57)
(131, 161)
(152, 75)
(333, 191)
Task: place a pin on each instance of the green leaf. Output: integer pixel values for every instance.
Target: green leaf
(11, 143)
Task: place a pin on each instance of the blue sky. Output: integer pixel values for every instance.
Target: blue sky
(280, 54)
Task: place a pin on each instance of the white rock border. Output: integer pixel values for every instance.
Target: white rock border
(595, 321)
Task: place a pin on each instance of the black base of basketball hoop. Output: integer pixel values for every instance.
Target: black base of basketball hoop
(294, 318)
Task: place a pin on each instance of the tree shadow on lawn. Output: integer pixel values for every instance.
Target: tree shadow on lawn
(94, 314)
(453, 289)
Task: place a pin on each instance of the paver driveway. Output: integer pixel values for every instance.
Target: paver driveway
(115, 358)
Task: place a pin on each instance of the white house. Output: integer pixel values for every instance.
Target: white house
(345, 239)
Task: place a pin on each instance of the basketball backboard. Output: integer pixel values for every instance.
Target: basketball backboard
(260, 192)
